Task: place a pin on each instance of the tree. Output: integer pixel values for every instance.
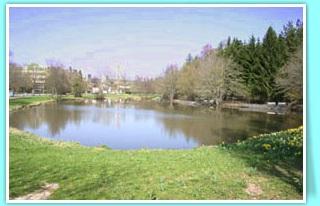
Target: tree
(239, 78)
(290, 77)
(258, 64)
(19, 80)
(293, 35)
(187, 79)
(234, 85)
(78, 83)
(213, 71)
(169, 83)
(15, 77)
(57, 82)
(144, 85)
(228, 41)
(189, 58)
(254, 73)
(206, 49)
(272, 59)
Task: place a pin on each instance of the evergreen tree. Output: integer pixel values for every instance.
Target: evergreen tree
(293, 35)
(271, 62)
(189, 58)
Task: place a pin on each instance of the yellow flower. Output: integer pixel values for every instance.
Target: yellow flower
(266, 146)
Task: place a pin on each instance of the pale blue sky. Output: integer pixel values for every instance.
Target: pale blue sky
(142, 40)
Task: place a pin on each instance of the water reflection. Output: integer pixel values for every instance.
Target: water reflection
(122, 125)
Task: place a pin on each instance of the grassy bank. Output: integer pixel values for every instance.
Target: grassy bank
(23, 102)
(221, 172)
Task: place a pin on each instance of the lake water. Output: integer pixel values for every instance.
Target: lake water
(145, 125)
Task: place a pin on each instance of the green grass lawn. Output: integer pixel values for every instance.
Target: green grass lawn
(21, 102)
(220, 172)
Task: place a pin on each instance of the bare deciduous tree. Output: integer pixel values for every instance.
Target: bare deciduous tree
(290, 77)
(169, 83)
(57, 81)
(19, 81)
(212, 72)
(188, 78)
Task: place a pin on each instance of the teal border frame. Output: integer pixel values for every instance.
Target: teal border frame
(312, 84)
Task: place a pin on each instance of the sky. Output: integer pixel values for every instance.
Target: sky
(139, 41)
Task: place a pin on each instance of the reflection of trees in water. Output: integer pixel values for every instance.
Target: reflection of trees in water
(211, 126)
(201, 125)
(55, 116)
(204, 131)
(226, 126)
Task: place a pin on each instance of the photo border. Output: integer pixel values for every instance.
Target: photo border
(149, 5)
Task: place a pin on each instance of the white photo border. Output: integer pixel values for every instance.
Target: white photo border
(298, 5)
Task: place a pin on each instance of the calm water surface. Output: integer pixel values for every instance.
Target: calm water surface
(145, 125)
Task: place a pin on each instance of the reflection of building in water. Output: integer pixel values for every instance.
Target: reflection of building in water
(117, 118)
(119, 115)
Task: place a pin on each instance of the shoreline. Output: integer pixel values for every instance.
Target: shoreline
(19, 103)
(269, 108)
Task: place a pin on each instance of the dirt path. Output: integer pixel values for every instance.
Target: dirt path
(41, 194)
(253, 190)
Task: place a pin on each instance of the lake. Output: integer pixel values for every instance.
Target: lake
(128, 125)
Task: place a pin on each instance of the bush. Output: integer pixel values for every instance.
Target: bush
(99, 96)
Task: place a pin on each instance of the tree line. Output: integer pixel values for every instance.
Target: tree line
(56, 80)
(256, 70)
